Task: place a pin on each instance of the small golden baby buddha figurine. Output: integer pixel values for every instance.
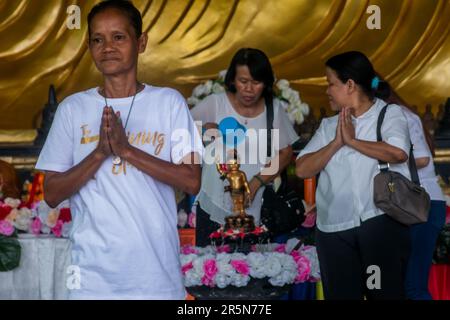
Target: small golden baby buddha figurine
(240, 195)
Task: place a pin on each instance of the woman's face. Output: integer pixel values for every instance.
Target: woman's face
(113, 43)
(337, 91)
(248, 90)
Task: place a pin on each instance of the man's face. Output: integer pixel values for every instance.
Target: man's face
(113, 43)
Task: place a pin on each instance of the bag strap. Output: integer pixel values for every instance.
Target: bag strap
(411, 160)
(269, 119)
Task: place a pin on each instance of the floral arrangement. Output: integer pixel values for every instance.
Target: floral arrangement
(39, 218)
(280, 264)
(35, 218)
(289, 98)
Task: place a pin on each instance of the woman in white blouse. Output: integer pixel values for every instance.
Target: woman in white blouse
(362, 252)
(249, 82)
(423, 235)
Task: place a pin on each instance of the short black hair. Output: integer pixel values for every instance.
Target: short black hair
(259, 66)
(124, 6)
(356, 66)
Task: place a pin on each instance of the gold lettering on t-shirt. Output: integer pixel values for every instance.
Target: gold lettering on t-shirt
(141, 138)
(160, 144)
(119, 168)
(85, 138)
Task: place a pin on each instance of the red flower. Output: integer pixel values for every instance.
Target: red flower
(65, 215)
(257, 231)
(23, 205)
(4, 211)
(215, 235)
(185, 268)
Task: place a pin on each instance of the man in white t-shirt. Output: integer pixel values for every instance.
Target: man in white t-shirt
(117, 151)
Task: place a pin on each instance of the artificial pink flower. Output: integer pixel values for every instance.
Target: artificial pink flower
(310, 220)
(192, 220)
(36, 226)
(185, 268)
(241, 267)
(280, 248)
(188, 249)
(224, 249)
(207, 281)
(303, 269)
(57, 229)
(6, 228)
(296, 255)
(210, 269)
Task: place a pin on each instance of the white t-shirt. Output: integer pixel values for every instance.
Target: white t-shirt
(427, 175)
(124, 232)
(253, 155)
(344, 194)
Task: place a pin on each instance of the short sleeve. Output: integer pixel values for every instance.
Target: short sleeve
(57, 153)
(421, 148)
(205, 110)
(185, 137)
(287, 134)
(394, 130)
(317, 142)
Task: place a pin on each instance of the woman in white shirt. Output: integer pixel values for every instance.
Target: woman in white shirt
(423, 235)
(249, 82)
(119, 166)
(362, 252)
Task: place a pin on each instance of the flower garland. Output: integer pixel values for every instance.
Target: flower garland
(280, 264)
(289, 98)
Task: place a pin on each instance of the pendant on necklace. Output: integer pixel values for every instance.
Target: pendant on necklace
(116, 160)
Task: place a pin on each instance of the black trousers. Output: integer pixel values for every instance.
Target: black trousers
(204, 227)
(367, 261)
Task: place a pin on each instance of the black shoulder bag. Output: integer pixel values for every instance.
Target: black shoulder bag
(282, 211)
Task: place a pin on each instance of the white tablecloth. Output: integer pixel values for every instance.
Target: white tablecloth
(42, 270)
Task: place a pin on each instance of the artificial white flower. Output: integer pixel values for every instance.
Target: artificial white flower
(222, 74)
(186, 258)
(13, 203)
(67, 227)
(282, 84)
(222, 281)
(218, 88)
(193, 100)
(225, 268)
(272, 266)
(47, 215)
(311, 253)
(23, 219)
(240, 280)
(182, 218)
(305, 108)
(192, 278)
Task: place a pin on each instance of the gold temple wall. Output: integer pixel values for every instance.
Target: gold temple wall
(192, 40)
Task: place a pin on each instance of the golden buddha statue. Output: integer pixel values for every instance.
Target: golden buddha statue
(240, 195)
